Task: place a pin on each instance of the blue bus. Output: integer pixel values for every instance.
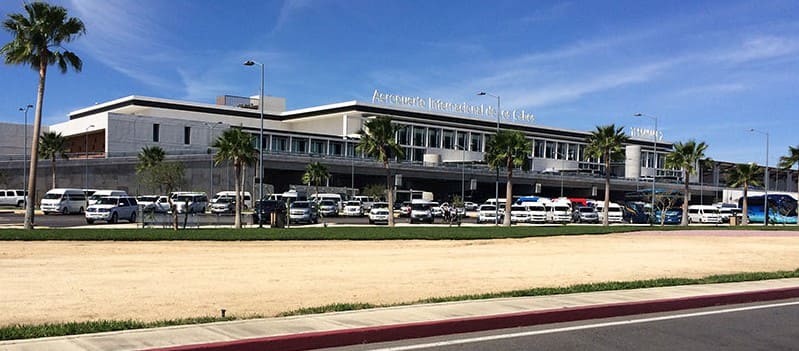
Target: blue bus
(781, 208)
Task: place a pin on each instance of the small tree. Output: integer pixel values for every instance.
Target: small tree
(315, 173)
(745, 176)
(237, 146)
(378, 140)
(53, 145)
(791, 159)
(376, 191)
(170, 176)
(507, 149)
(686, 156)
(605, 143)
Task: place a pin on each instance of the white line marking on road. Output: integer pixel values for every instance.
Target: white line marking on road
(582, 327)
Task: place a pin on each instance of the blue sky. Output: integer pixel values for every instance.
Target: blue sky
(709, 70)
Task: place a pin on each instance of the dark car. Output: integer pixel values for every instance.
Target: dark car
(263, 211)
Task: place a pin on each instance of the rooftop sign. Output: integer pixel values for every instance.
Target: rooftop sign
(437, 105)
(646, 133)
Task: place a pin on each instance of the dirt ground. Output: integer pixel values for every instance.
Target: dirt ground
(76, 281)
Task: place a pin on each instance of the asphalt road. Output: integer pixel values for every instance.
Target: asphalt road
(761, 326)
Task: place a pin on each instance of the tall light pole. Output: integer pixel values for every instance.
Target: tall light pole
(25, 152)
(463, 177)
(211, 127)
(86, 163)
(260, 137)
(654, 162)
(765, 199)
(496, 182)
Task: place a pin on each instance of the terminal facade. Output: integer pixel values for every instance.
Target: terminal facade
(443, 149)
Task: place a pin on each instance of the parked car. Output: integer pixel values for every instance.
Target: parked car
(703, 214)
(303, 211)
(422, 212)
(673, 216)
(405, 209)
(12, 197)
(223, 205)
(520, 214)
(379, 213)
(153, 203)
(470, 206)
(246, 197)
(112, 208)
(98, 194)
(354, 208)
(264, 209)
(585, 214)
(435, 208)
(190, 202)
(328, 208)
(64, 201)
(488, 214)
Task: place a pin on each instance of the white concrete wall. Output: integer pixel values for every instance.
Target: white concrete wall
(632, 162)
(12, 139)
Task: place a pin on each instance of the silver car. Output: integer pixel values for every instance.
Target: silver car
(303, 211)
(112, 208)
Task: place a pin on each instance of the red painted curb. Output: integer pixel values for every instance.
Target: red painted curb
(335, 338)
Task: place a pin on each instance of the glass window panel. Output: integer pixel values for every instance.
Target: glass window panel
(418, 155)
(419, 135)
(462, 137)
(563, 150)
(550, 150)
(336, 148)
(279, 143)
(449, 139)
(538, 148)
(434, 137)
(477, 142)
(404, 135)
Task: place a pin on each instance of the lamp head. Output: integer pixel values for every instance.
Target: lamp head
(637, 114)
(482, 93)
(30, 106)
(249, 63)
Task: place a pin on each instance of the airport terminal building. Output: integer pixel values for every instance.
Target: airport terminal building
(443, 143)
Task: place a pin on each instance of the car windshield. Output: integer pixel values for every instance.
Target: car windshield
(353, 203)
(52, 196)
(108, 201)
(148, 198)
(518, 208)
(301, 204)
(225, 200)
(327, 203)
(420, 207)
(380, 205)
(586, 209)
(487, 208)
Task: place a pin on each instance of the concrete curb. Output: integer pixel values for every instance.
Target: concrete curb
(337, 338)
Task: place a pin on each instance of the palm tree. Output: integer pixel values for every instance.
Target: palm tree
(149, 158)
(52, 145)
(745, 175)
(314, 174)
(605, 143)
(378, 140)
(793, 158)
(508, 149)
(238, 147)
(686, 156)
(38, 41)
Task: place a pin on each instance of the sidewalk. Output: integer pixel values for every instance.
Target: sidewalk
(384, 324)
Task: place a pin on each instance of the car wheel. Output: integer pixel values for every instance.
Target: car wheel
(80, 210)
(371, 222)
(132, 217)
(65, 211)
(89, 221)
(113, 219)
(21, 204)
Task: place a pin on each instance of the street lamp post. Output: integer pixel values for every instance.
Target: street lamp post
(211, 127)
(260, 136)
(25, 152)
(86, 154)
(654, 161)
(765, 199)
(496, 182)
(463, 177)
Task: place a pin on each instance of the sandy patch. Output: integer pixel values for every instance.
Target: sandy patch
(69, 281)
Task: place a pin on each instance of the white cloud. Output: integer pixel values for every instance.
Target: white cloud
(761, 48)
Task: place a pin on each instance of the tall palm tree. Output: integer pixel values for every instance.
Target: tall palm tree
(315, 173)
(39, 35)
(787, 161)
(686, 156)
(605, 143)
(238, 147)
(379, 140)
(51, 146)
(745, 175)
(508, 149)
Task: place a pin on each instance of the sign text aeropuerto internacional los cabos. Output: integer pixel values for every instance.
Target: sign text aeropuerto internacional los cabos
(431, 104)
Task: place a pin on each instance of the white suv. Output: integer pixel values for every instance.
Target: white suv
(379, 213)
(12, 197)
(112, 208)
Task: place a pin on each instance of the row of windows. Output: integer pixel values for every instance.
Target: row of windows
(415, 140)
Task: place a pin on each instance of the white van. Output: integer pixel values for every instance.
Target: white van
(65, 201)
(615, 214)
(328, 196)
(95, 197)
(190, 202)
(703, 214)
(560, 212)
(12, 197)
(246, 200)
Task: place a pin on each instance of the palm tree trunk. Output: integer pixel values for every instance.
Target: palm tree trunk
(37, 126)
(605, 221)
(52, 170)
(390, 196)
(684, 220)
(237, 169)
(508, 198)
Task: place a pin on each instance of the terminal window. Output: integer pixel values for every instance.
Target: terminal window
(187, 135)
(156, 132)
